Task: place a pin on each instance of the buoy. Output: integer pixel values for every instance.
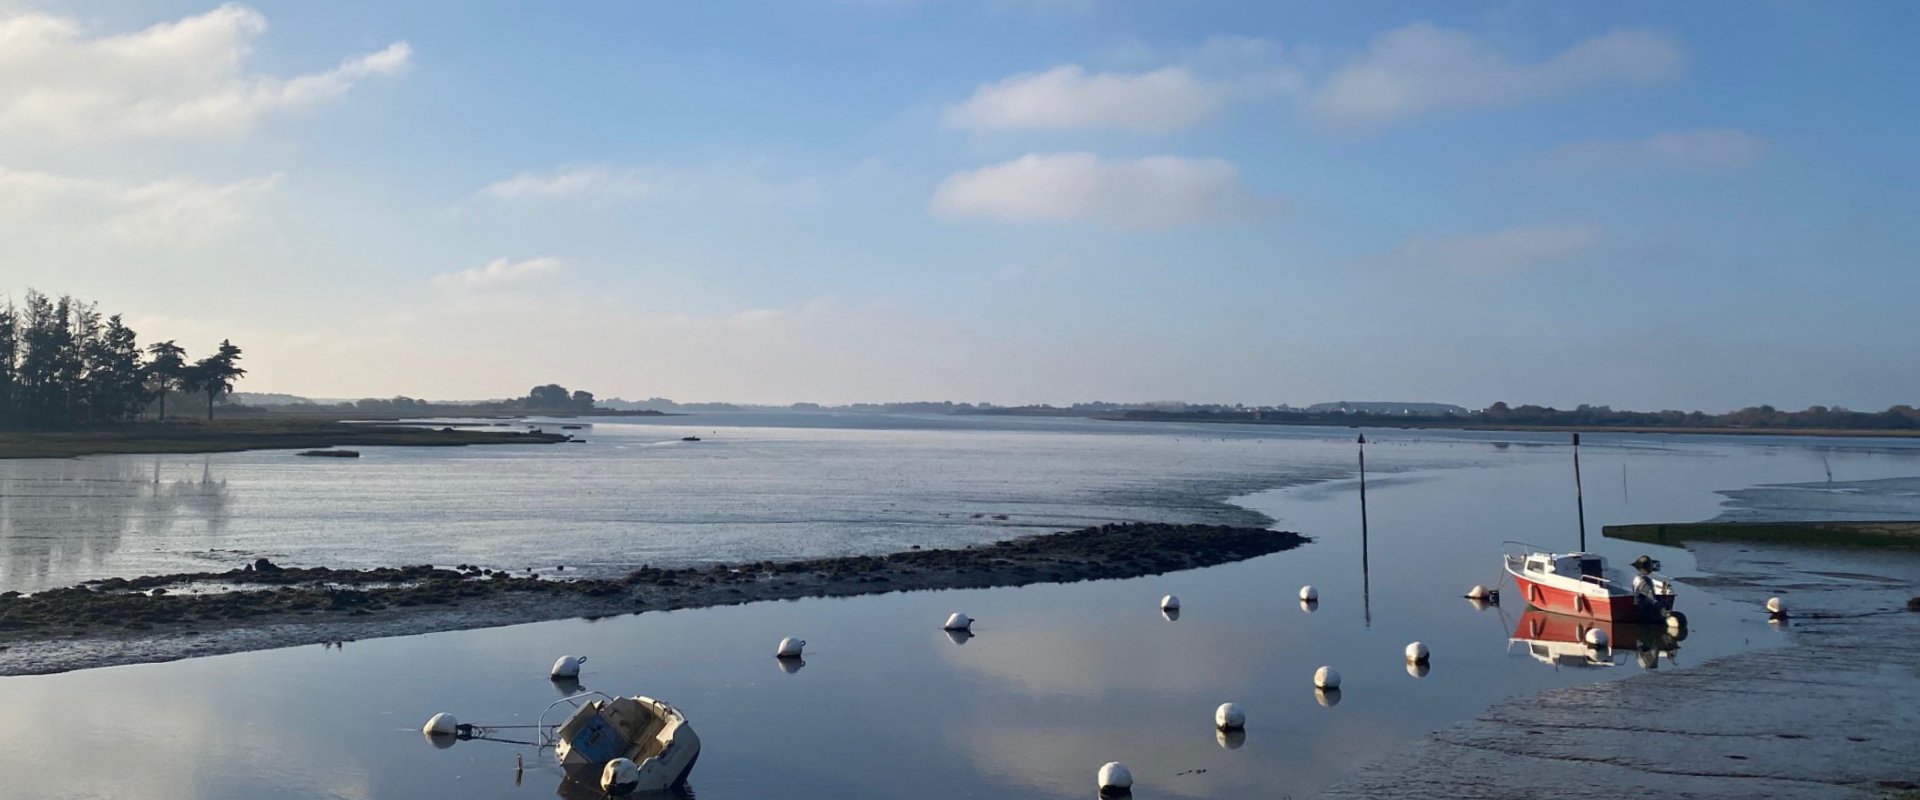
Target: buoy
(1115, 778)
(1478, 592)
(620, 777)
(1309, 594)
(1326, 678)
(790, 648)
(566, 667)
(1417, 653)
(1169, 603)
(1596, 638)
(1309, 606)
(1229, 717)
(441, 724)
(1676, 621)
(958, 622)
(1776, 608)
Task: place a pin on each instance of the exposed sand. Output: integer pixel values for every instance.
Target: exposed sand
(1834, 714)
(120, 622)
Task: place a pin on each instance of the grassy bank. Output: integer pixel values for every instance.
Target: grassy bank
(1886, 533)
(1390, 423)
(201, 436)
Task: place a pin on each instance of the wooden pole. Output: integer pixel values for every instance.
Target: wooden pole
(1579, 500)
(1366, 583)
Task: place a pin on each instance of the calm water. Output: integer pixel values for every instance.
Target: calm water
(1059, 679)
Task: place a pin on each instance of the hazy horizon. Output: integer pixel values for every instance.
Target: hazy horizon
(1018, 201)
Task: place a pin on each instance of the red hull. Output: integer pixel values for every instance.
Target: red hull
(1613, 608)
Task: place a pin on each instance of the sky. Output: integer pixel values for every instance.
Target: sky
(1647, 205)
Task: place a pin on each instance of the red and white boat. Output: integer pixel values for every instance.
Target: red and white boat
(1580, 584)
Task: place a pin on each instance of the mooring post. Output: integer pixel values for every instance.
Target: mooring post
(1366, 584)
(1579, 501)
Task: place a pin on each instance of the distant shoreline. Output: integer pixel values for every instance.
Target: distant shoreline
(161, 618)
(248, 433)
(1389, 424)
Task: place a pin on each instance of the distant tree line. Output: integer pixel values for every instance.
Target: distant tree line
(554, 398)
(1899, 417)
(62, 364)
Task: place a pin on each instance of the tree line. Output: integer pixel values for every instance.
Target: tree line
(1899, 417)
(64, 364)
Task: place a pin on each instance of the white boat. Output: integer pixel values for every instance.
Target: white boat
(648, 732)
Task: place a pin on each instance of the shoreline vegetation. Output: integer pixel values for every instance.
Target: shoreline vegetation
(1898, 534)
(228, 435)
(1897, 422)
(263, 605)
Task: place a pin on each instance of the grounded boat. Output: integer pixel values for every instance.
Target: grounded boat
(1580, 584)
(648, 732)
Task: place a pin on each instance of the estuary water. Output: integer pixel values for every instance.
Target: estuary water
(1058, 679)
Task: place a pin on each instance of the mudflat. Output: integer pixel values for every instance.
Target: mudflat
(263, 605)
(218, 436)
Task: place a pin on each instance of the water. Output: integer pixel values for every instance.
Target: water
(1059, 680)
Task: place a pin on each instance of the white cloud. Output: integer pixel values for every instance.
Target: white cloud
(1714, 149)
(1501, 252)
(1421, 68)
(1155, 192)
(173, 212)
(182, 79)
(569, 182)
(499, 274)
(1068, 97)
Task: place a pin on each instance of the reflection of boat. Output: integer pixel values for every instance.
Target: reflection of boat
(1561, 640)
(648, 732)
(1581, 584)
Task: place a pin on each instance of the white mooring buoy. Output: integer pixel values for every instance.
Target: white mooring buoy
(441, 724)
(790, 648)
(1776, 607)
(1596, 638)
(566, 667)
(1417, 653)
(1309, 594)
(1170, 603)
(620, 777)
(1478, 592)
(1115, 778)
(958, 622)
(1229, 717)
(1326, 678)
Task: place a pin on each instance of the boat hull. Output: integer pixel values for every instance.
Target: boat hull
(1592, 605)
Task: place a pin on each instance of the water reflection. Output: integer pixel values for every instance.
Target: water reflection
(1309, 606)
(60, 518)
(1170, 614)
(958, 637)
(1418, 669)
(1563, 641)
(1230, 740)
(790, 665)
(1327, 697)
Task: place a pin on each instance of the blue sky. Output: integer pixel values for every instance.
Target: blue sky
(1644, 204)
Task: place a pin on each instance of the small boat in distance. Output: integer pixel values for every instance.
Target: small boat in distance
(1582, 585)
(689, 438)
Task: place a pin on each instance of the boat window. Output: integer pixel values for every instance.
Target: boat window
(1535, 566)
(1590, 567)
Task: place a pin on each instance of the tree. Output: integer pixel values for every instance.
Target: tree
(167, 371)
(9, 351)
(583, 399)
(552, 395)
(216, 373)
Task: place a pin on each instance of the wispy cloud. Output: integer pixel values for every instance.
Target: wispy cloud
(1068, 97)
(1709, 150)
(182, 79)
(173, 212)
(499, 274)
(1500, 252)
(1420, 69)
(570, 182)
(1155, 192)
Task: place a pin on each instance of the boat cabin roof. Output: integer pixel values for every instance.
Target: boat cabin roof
(1567, 563)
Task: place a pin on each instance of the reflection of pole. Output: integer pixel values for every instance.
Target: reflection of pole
(1579, 501)
(1366, 585)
